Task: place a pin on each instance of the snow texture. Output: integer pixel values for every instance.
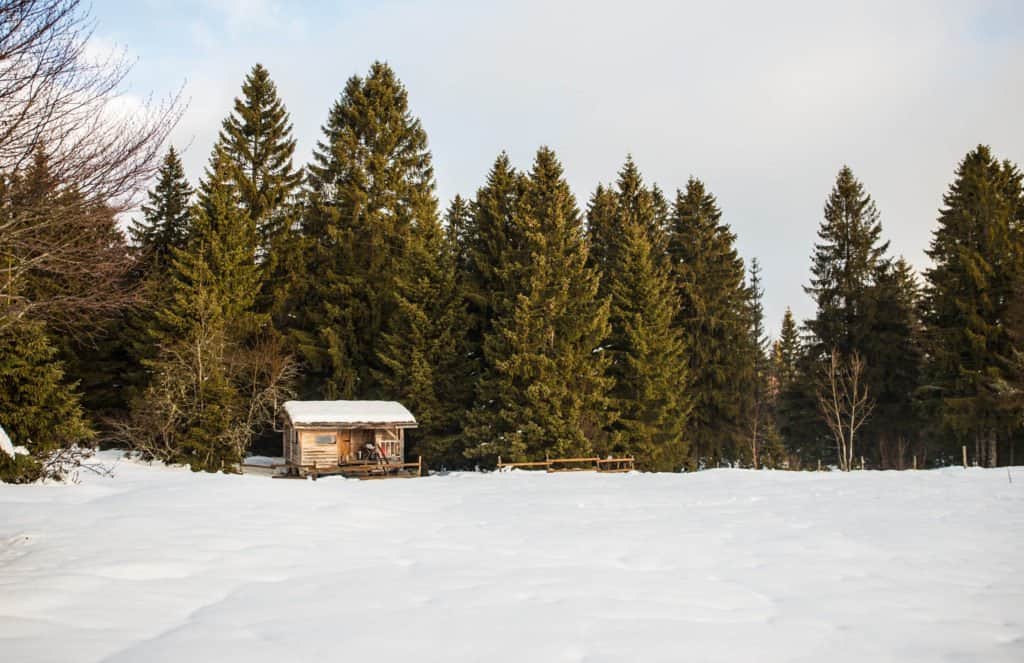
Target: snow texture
(6, 445)
(162, 564)
(348, 412)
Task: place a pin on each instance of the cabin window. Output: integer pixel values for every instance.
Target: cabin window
(324, 439)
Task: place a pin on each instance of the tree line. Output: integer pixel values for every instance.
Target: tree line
(515, 323)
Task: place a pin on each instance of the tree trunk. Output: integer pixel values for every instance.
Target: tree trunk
(993, 449)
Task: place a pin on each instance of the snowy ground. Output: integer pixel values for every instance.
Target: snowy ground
(161, 565)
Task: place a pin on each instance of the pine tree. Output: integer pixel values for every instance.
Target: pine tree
(894, 353)
(371, 183)
(164, 229)
(165, 223)
(647, 361)
(457, 222)
(976, 252)
(543, 389)
(760, 428)
(257, 141)
(423, 349)
(786, 352)
(843, 267)
(709, 277)
(39, 408)
(201, 416)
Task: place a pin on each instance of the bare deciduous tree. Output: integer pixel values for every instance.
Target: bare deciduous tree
(261, 376)
(844, 402)
(62, 103)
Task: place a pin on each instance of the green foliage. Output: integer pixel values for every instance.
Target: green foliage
(372, 183)
(846, 268)
(422, 350)
(895, 358)
(647, 360)
(714, 319)
(165, 222)
(760, 427)
(40, 409)
(257, 141)
(977, 256)
(786, 352)
(195, 410)
(843, 268)
(542, 388)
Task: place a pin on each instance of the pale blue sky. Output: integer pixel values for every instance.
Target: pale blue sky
(763, 101)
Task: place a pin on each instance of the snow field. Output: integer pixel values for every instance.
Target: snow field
(160, 564)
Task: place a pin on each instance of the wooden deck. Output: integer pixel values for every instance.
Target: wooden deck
(359, 470)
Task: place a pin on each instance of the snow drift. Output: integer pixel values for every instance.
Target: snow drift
(162, 564)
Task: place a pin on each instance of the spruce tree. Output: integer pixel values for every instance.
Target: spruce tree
(206, 317)
(371, 184)
(843, 267)
(165, 222)
(457, 223)
(163, 229)
(543, 388)
(647, 361)
(895, 354)
(39, 408)
(494, 259)
(422, 351)
(709, 276)
(976, 252)
(760, 427)
(786, 352)
(257, 141)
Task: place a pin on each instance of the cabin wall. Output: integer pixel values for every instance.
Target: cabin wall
(326, 447)
(319, 447)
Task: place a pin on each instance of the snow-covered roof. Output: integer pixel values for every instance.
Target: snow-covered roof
(6, 445)
(348, 413)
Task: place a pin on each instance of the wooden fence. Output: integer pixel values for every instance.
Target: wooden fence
(586, 464)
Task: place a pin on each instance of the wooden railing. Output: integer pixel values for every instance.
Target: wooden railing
(592, 464)
(378, 470)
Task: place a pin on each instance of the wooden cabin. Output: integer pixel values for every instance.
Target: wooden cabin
(326, 437)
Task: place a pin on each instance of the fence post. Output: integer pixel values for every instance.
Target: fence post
(915, 461)
(862, 463)
(964, 450)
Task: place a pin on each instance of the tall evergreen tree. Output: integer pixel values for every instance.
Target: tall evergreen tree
(165, 222)
(257, 141)
(976, 251)
(163, 229)
(894, 353)
(843, 267)
(760, 427)
(495, 248)
(371, 183)
(207, 316)
(543, 388)
(457, 223)
(709, 277)
(786, 351)
(647, 366)
(422, 351)
(39, 408)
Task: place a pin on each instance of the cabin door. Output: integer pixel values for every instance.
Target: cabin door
(345, 450)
